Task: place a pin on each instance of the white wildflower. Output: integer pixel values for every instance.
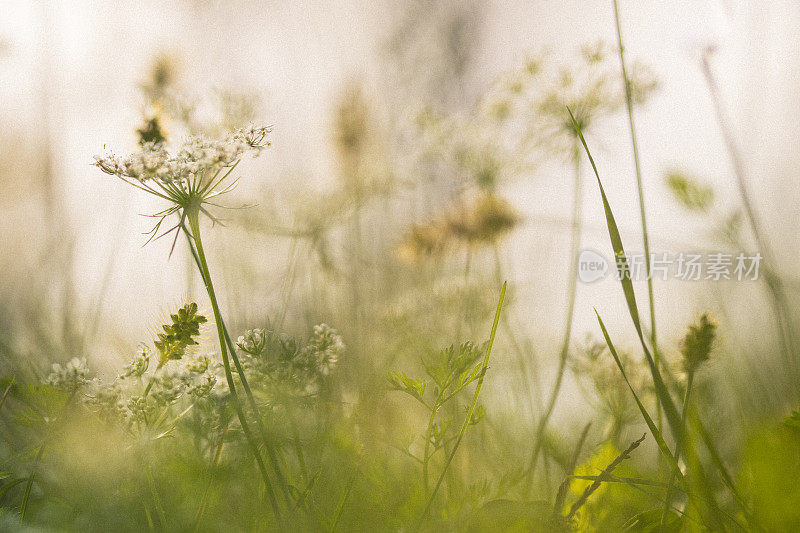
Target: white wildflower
(198, 157)
(107, 398)
(138, 365)
(197, 363)
(169, 383)
(136, 409)
(71, 376)
(189, 177)
(203, 386)
(252, 341)
(324, 348)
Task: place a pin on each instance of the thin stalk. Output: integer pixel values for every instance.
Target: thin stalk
(192, 217)
(162, 515)
(204, 500)
(723, 471)
(470, 411)
(299, 450)
(152, 379)
(5, 394)
(38, 459)
(340, 507)
(568, 471)
(771, 276)
(288, 282)
(577, 204)
(640, 192)
(426, 455)
(678, 451)
(29, 485)
(273, 457)
(510, 332)
(599, 481)
(467, 269)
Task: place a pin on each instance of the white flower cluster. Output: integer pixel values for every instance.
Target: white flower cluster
(197, 157)
(252, 341)
(138, 365)
(195, 376)
(71, 376)
(174, 380)
(324, 348)
(278, 362)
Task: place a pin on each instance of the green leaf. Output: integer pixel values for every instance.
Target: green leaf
(412, 386)
(650, 521)
(663, 395)
(662, 445)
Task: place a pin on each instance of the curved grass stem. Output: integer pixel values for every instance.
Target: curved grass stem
(192, 217)
(640, 192)
(271, 453)
(577, 218)
(781, 306)
(678, 451)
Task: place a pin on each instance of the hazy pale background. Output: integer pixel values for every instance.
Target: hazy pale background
(69, 72)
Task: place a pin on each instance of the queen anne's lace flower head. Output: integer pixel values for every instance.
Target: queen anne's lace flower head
(195, 159)
(170, 382)
(252, 341)
(138, 365)
(189, 176)
(71, 376)
(324, 348)
(197, 363)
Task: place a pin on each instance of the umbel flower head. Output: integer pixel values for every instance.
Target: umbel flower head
(189, 178)
(481, 221)
(71, 376)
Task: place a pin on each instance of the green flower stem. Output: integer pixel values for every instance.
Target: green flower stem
(151, 482)
(204, 500)
(152, 379)
(577, 217)
(678, 451)
(192, 216)
(428, 435)
(38, 459)
(771, 276)
(273, 456)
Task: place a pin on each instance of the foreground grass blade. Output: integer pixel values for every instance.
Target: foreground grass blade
(662, 445)
(28, 486)
(630, 297)
(640, 189)
(342, 501)
(272, 454)
(471, 409)
(5, 394)
(194, 226)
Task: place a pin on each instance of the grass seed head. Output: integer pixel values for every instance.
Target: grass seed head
(698, 342)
